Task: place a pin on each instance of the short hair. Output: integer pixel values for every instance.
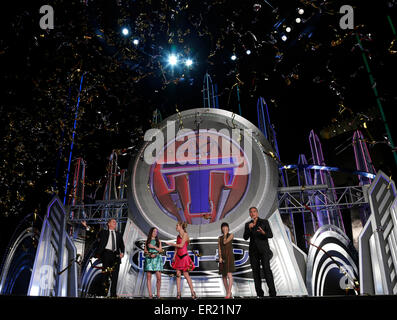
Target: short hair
(224, 224)
(253, 208)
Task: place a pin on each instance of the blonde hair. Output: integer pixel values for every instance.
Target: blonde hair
(183, 224)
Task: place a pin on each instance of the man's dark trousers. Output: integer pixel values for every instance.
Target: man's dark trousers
(256, 260)
(111, 259)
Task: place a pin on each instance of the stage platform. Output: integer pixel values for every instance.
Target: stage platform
(208, 308)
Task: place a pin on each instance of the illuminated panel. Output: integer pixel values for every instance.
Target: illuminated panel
(331, 264)
(200, 191)
(54, 253)
(228, 171)
(378, 255)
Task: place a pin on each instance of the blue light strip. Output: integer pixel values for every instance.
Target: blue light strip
(238, 99)
(261, 117)
(72, 144)
(216, 96)
(213, 95)
(326, 168)
(278, 23)
(208, 90)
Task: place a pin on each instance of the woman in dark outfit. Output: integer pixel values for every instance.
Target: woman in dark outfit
(226, 258)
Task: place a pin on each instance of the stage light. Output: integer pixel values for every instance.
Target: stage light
(188, 62)
(233, 57)
(172, 59)
(298, 20)
(135, 41)
(248, 52)
(288, 29)
(284, 38)
(301, 11)
(125, 31)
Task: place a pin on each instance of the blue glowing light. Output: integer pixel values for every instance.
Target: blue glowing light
(172, 59)
(188, 62)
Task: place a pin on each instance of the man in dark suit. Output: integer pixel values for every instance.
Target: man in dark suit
(111, 250)
(258, 231)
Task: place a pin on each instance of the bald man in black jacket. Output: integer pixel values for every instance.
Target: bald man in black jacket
(258, 231)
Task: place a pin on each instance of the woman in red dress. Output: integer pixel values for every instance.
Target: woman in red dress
(181, 261)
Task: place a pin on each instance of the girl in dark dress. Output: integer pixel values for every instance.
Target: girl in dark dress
(226, 258)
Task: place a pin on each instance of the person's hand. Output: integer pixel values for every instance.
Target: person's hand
(84, 223)
(261, 230)
(152, 255)
(87, 228)
(220, 260)
(121, 255)
(251, 225)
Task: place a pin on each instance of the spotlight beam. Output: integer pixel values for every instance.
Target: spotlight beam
(172, 59)
(188, 62)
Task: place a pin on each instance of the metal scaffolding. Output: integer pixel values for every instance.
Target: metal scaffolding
(294, 199)
(301, 198)
(98, 212)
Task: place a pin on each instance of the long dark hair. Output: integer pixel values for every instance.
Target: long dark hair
(149, 237)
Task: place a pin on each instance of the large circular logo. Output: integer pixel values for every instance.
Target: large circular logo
(200, 177)
(205, 167)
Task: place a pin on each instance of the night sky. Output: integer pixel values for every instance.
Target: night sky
(316, 79)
